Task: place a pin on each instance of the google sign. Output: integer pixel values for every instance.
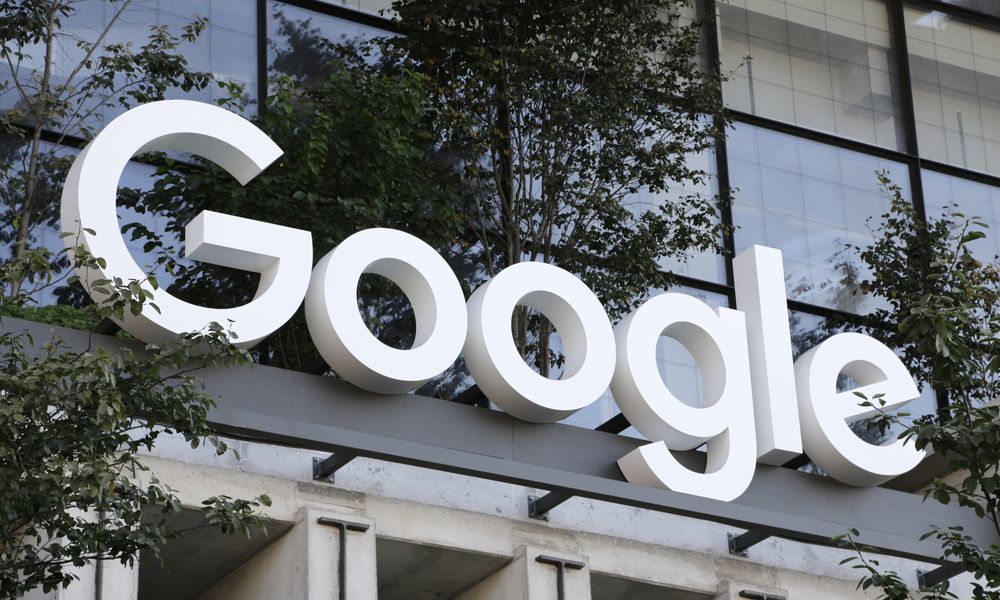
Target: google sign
(760, 405)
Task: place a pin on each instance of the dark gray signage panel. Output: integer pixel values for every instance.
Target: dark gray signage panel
(317, 412)
(289, 408)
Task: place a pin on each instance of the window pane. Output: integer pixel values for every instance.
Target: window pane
(828, 69)
(809, 200)
(707, 266)
(973, 200)
(294, 35)
(955, 69)
(226, 48)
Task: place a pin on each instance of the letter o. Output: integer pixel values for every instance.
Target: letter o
(587, 338)
(346, 343)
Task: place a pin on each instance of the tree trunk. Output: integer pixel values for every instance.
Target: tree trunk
(31, 178)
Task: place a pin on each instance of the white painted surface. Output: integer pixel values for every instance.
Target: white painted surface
(283, 256)
(826, 413)
(717, 340)
(343, 338)
(759, 278)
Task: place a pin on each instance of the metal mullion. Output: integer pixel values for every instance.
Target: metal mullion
(796, 305)
(78, 143)
(897, 33)
(706, 13)
(343, 12)
(897, 39)
(704, 285)
(960, 173)
(262, 59)
(831, 313)
(819, 136)
(793, 305)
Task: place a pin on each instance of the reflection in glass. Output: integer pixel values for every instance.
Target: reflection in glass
(955, 69)
(226, 49)
(297, 38)
(45, 230)
(943, 193)
(708, 265)
(810, 201)
(823, 66)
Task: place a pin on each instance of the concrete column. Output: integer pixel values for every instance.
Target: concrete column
(304, 564)
(118, 581)
(324, 539)
(525, 578)
(277, 571)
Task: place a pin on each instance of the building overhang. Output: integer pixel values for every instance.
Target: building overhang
(314, 412)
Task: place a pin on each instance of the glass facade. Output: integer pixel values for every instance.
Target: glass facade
(947, 194)
(955, 70)
(823, 95)
(810, 200)
(291, 31)
(825, 66)
(705, 266)
(227, 48)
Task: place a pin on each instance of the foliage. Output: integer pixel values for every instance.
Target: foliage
(499, 133)
(943, 316)
(73, 421)
(72, 425)
(358, 154)
(62, 83)
(572, 124)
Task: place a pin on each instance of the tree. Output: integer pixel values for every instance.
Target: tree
(73, 421)
(59, 84)
(943, 317)
(498, 132)
(72, 425)
(358, 154)
(570, 123)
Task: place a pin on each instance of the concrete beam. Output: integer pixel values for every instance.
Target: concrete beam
(535, 574)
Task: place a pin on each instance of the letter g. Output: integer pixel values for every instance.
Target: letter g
(282, 256)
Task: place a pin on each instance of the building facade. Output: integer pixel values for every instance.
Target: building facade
(825, 95)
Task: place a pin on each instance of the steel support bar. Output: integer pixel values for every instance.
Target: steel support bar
(929, 579)
(538, 508)
(324, 468)
(343, 527)
(616, 424)
(561, 564)
(472, 396)
(752, 595)
(740, 543)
